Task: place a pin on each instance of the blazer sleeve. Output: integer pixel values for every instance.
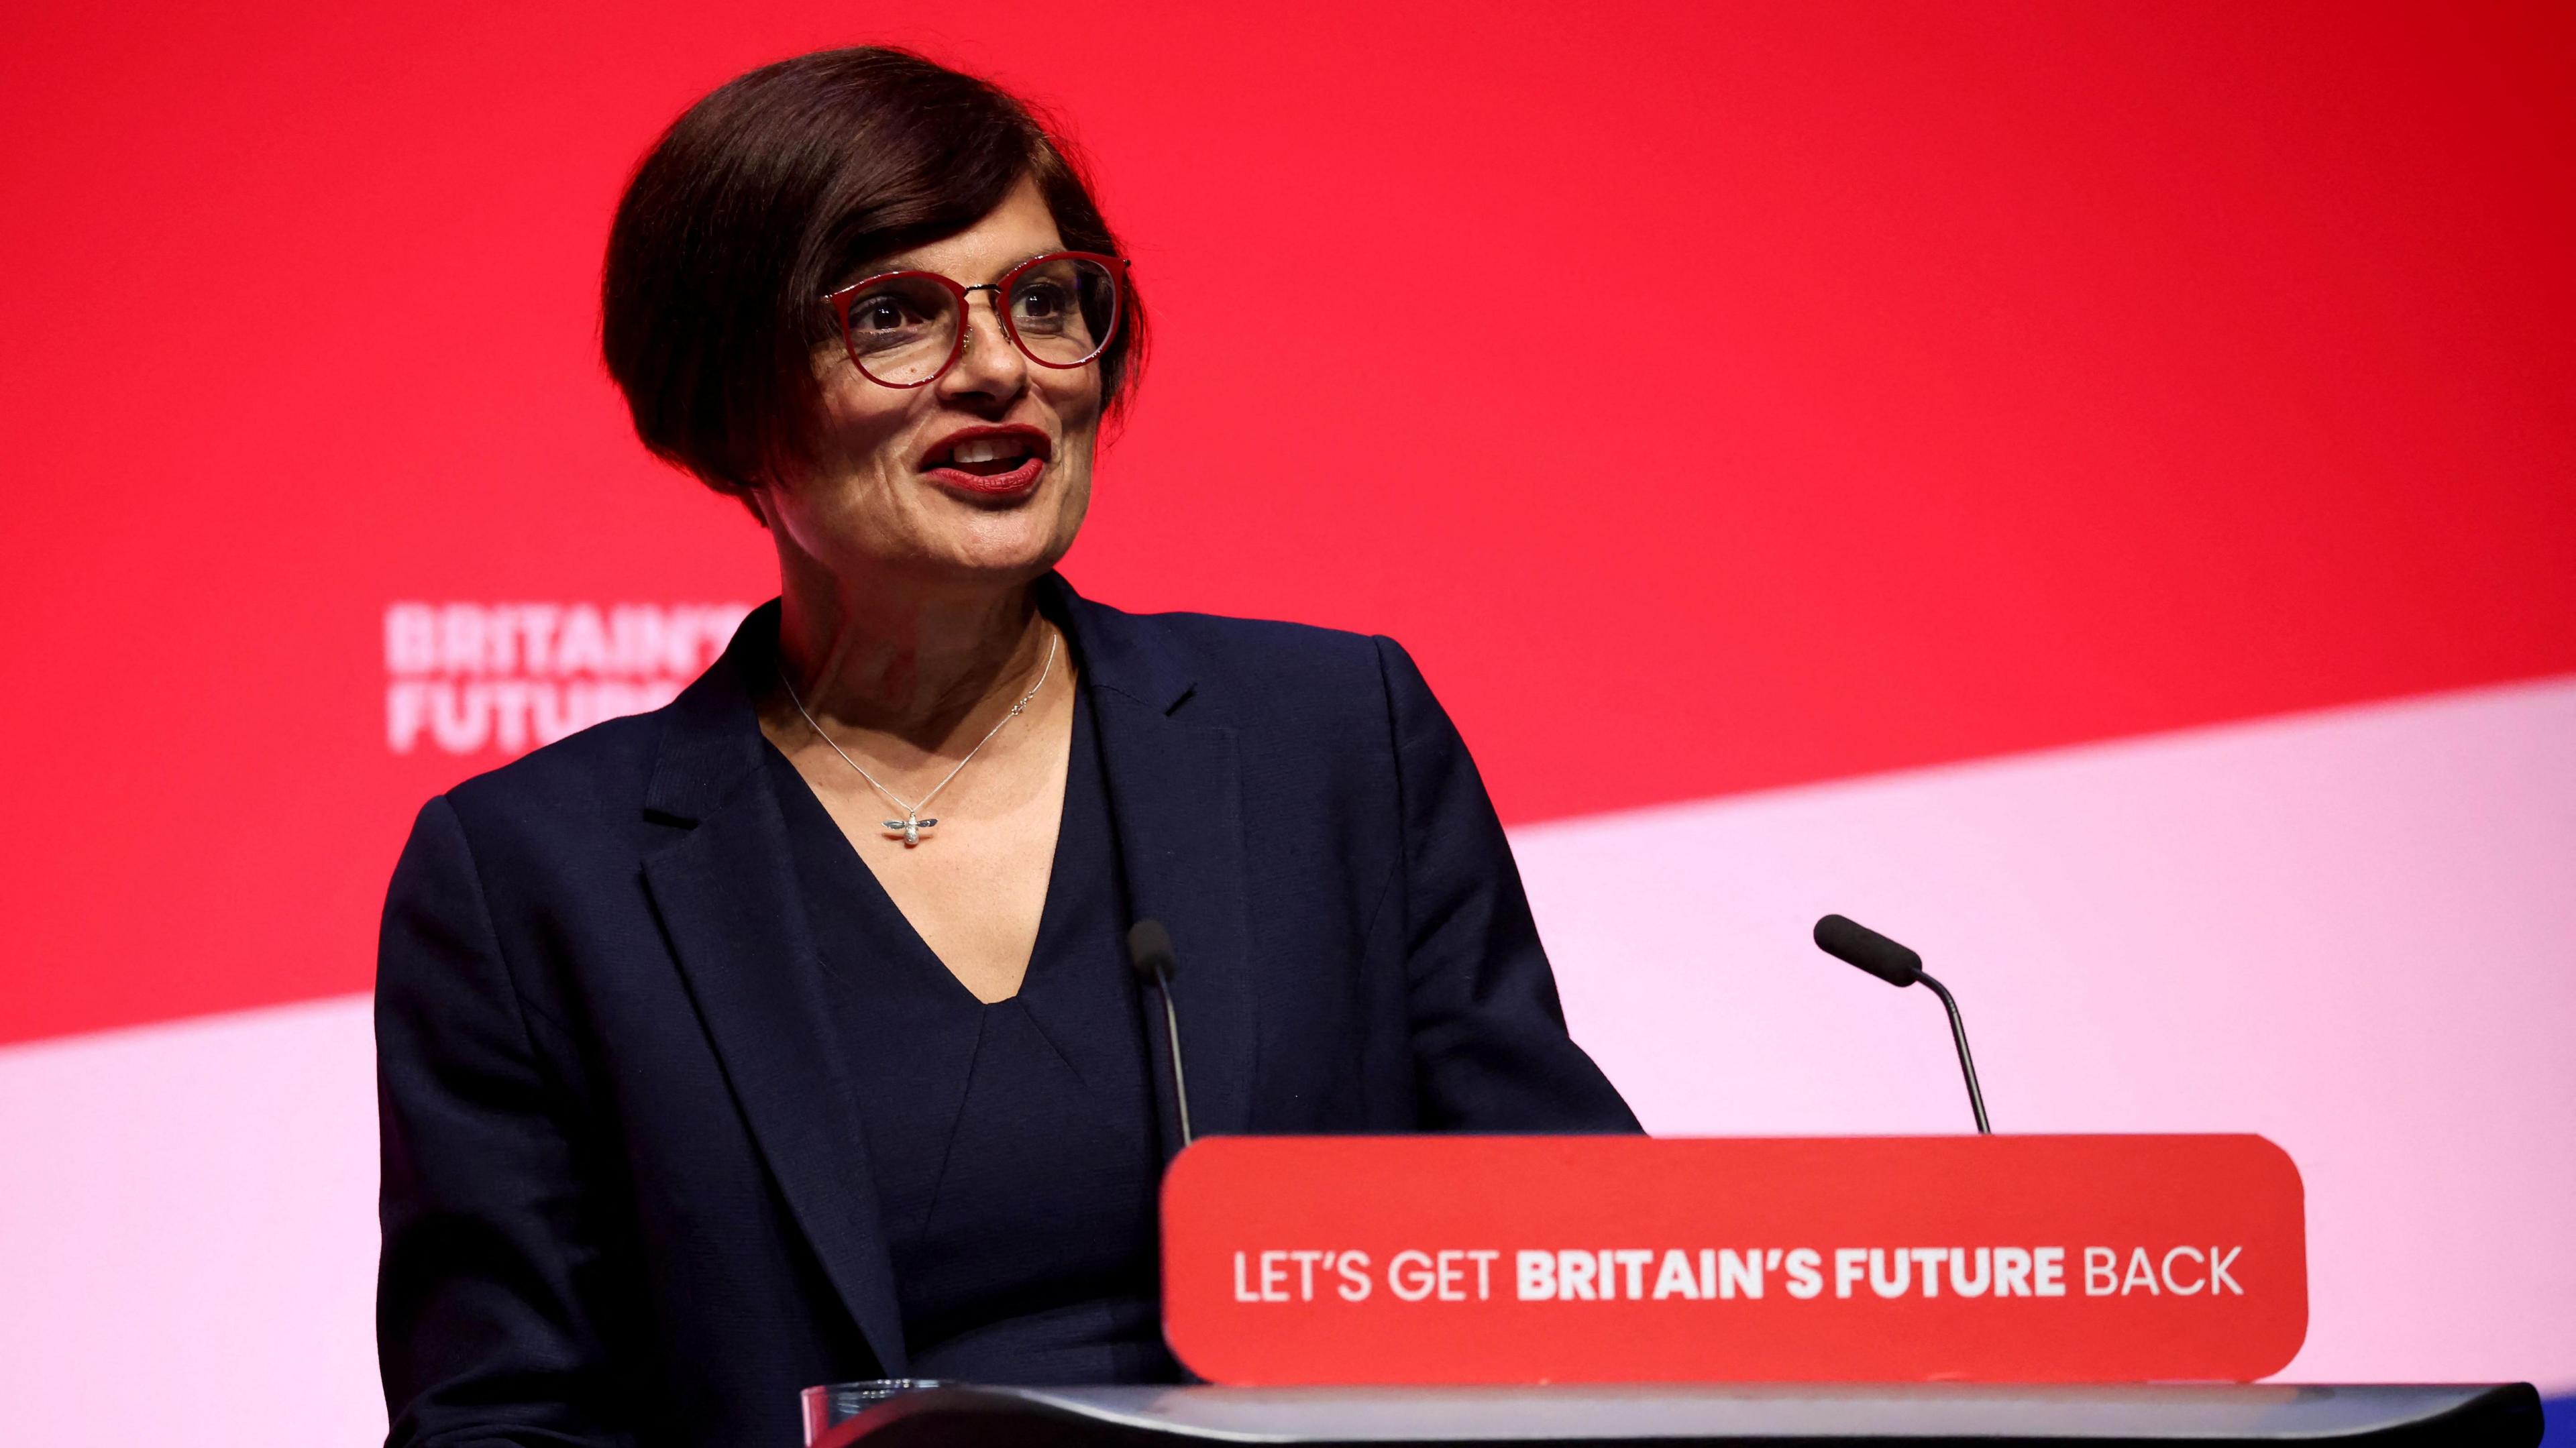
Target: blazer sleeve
(1490, 1047)
(485, 1332)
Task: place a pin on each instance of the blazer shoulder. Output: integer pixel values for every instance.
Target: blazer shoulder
(595, 775)
(1269, 665)
(1265, 642)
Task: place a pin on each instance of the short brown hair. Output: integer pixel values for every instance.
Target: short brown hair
(773, 190)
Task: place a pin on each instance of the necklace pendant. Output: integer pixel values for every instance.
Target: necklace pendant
(910, 827)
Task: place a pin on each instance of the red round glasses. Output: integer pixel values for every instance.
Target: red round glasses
(907, 328)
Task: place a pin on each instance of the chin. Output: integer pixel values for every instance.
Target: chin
(1024, 540)
(1024, 549)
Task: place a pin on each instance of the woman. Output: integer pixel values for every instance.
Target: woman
(784, 1035)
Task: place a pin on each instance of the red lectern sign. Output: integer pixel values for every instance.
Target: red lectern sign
(1463, 1259)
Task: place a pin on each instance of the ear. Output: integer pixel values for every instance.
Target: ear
(755, 499)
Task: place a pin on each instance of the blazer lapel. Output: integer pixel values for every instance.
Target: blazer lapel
(726, 895)
(1177, 799)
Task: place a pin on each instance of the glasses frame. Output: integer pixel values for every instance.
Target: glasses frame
(1117, 267)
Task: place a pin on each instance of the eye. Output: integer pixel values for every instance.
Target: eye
(1042, 303)
(899, 315)
(883, 312)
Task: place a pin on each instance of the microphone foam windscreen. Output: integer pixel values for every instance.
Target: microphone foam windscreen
(1149, 949)
(1857, 944)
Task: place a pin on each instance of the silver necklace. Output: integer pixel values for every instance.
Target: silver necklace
(912, 824)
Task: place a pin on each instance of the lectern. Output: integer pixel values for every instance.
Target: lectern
(1986, 1290)
(1911, 1415)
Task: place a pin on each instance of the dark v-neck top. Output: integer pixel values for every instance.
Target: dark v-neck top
(1013, 1148)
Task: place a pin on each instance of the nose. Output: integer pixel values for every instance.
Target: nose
(988, 366)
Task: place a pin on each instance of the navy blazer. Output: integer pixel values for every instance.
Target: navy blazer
(625, 1195)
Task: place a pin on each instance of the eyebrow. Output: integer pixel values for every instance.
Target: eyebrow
(903, 264)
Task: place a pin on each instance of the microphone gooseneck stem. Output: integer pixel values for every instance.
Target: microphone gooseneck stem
(1958, 1033)
(1181, 1088)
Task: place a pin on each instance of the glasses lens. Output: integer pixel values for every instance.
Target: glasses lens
(1064, 310)
(902, 329)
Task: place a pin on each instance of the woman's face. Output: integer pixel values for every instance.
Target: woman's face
(887, 498)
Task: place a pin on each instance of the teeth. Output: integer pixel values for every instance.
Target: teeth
(990, 449)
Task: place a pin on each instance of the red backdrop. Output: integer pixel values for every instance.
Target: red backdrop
(1712, 396)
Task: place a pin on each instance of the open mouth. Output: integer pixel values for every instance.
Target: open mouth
(990, 459)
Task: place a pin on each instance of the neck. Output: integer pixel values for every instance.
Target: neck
(902, 661)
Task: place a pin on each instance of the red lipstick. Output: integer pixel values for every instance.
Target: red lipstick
(990, 462)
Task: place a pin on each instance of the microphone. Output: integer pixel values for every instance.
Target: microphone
(1149, 950)
(1853, 943)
